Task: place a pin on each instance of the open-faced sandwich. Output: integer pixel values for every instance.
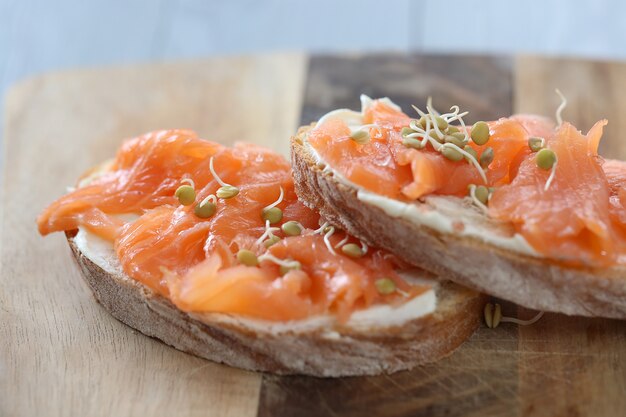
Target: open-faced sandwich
(522, 208)
(207, 248)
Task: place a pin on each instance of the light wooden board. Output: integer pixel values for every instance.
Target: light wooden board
(62, 354)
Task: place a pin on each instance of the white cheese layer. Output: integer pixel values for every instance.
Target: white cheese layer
(440, 213)
(102, 253)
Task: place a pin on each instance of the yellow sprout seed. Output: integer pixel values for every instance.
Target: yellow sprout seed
(546, 158)
(458, 135)
(492, 314)
(454, 140)
(535, 144)
(247, 257)
(412, 143)
(294, 265)
(352, 250)
(488, 315)
(482, 194)
(451, 154)
(480, 133)
(360, 136)
(470, 151)
(271, 241)
(227, 191)
(274, 215)
(497, 315)
(452, 129)
(206, 210)
(406, 131)
(291, 228)
(434, 135)
(385, 286)
(441, 123)
(486, 158)
(185, 194)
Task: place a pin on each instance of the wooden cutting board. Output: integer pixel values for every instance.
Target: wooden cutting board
(63, 354)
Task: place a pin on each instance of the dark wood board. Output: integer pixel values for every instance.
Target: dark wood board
(498, 372)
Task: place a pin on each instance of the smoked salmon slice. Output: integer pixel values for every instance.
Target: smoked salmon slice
(573, 212)
(571, 220)
(234, 259)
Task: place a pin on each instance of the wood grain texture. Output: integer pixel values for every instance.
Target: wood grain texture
(574, 366)
(561, 366)
(336, 82)
(593, 90)
(480, 378)
(60, 352)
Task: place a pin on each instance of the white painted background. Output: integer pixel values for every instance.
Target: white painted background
(44, 35)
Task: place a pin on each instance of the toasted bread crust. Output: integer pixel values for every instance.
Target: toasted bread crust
(315, 353)
(531, 282)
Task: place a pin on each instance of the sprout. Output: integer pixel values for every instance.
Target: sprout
(406, 131)
(268, 233)
(342, 241)
(493, 317)
(536, 143)
(352, 250)
(360, 136)
(185, 194)
(551, 177)
(188, 181)
(480, 133)
(385, 286)
(479, 200)
(454, 140)
(472, 152)
(430, 128)
(481, 193)
(273, 213)
(559, 110)
(285, 264)
(412, 143)
(226, 190)
(327, 235)
(451, 153)
(546, 158)
(293, 266)
(207, 207)
(247, 257)
(272, 240)
(486, 158)
(441, 123)
(292, 228)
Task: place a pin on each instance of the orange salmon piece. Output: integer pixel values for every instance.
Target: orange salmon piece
(371, 165)
(569, 221)
(192, 260)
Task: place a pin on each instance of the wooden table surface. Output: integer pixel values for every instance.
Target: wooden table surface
(63, 354)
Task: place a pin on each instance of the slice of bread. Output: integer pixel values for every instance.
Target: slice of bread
(530, 281)
(325, 352)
